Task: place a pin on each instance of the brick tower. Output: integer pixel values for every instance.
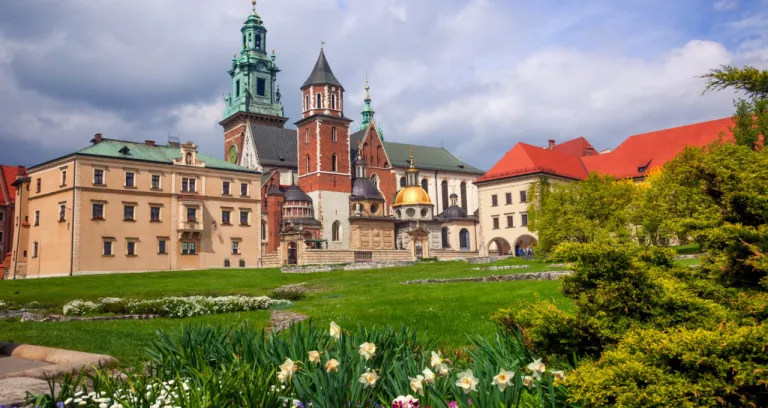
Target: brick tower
(324, 152)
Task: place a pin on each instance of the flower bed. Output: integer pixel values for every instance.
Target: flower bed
(173, 306)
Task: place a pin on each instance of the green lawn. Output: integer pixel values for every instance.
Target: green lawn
(448, 312)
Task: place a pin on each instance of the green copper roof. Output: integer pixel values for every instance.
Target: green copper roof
(163, 154)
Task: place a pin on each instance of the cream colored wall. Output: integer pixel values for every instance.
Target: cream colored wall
(454, 229)
(488, 211)
(454, 186)
(56, 239)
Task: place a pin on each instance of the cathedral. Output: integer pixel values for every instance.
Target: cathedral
(329, 185)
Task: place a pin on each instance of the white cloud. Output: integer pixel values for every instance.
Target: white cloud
(724, 5)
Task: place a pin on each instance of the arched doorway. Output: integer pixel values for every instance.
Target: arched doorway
(524, 242)
(464, 239)
(500, 246)
(292, 253)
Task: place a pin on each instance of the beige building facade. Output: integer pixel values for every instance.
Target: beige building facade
(121, 206)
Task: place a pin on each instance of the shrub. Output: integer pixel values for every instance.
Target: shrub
(292, 294)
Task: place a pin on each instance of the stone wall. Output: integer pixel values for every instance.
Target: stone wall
(486, 259)
(271, 260)
(345, 267)
(444, 255)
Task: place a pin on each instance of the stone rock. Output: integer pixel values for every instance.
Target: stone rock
(553, 275)
(13, 391)
(500, 267)
(282, 319)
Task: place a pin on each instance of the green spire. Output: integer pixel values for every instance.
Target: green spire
(254, 74)
(368, 111)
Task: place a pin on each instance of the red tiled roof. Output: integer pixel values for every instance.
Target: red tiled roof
(635, 157)
(578, 147)
(647, 151)
(528, 159)
(9, 174)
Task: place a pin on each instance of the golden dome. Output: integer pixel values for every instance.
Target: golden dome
(412, 195)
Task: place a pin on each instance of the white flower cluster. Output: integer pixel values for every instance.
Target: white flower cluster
(165, 396)
(174, 306)
(3, 305)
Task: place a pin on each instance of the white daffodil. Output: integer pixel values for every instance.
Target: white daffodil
(537, 368)
(467, 381)
(528, 381)
(559, 375)
(367, 350)
(417, 384)
(335, 330)
(369, 378)
(332, 365)
(502, 379)
(314, 357)
(287, 370)
(443, 370)
(429, 376)
(436, 360)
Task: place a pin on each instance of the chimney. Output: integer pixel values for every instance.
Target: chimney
(551, 144)
(96, 138)
(150, 143)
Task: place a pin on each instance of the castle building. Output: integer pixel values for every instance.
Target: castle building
(8, 175)
(327, 183)
(503, 190)
(120, 206)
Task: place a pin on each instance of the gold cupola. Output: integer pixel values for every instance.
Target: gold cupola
(412, 193)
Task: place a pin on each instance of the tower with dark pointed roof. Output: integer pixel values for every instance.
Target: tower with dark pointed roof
(324, 162)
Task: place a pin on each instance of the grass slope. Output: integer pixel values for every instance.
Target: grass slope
(447, 312)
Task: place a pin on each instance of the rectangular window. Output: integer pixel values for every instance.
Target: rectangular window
(98, 211)
(2, 215)
(155, 182)
(510, 221)
(107, 248)
(261, 86)
(34, 249)
(242, 263)
(188, 185)
(62, 212)
(524, 220)
(128, 213)
(244, 189)
(130, 249)
(191, 214)
(188, 248)
(129, 179)
(225, 188)
(227, 263)
(64, 177)
(509, 198)
(523, 196)
(243, 217)
(496, 223)
(263, 231)
(225, 218)
(162, 246)
(494, 200)
(1, 237)
(37, 185)
(154, 214)
(98, 177)
(237, 88)
(37, 217)
(235, 247)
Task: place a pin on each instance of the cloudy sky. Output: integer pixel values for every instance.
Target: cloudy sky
(475, 76)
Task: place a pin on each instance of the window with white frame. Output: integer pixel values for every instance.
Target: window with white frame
(188, 248)
(62, 212)
(225, 188)
(107, 247)
(2, 215)
(244, 189)
(130, 179)
(98, 177)
(63, 177)
(154, 213)
(37, 217)
(35, 249)
(235, 246)
(130, 247)
(162, 246)
(318, 101)
(188, 184)
(155, 182)
(333, 135)
(244, 217)
(129, 212)
(98, 211)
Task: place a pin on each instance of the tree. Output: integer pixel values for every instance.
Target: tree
(598, 208)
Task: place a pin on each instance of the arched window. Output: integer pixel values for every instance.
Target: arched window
(444, 236)
(306, 136)
(333, 162)
(402, 181)
(333, 101)
(307, 163)
(410, 212)
(375, 180)
(464, 239)
(425, 185)
(336, 231)
(445, 194)
(319, 101)
(307, 106)
(333, 135)
(463, 189)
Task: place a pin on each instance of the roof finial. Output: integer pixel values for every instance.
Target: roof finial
(253, 3)
(322, 45)
(410, 151)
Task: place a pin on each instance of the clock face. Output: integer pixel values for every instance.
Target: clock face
(232, 157)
